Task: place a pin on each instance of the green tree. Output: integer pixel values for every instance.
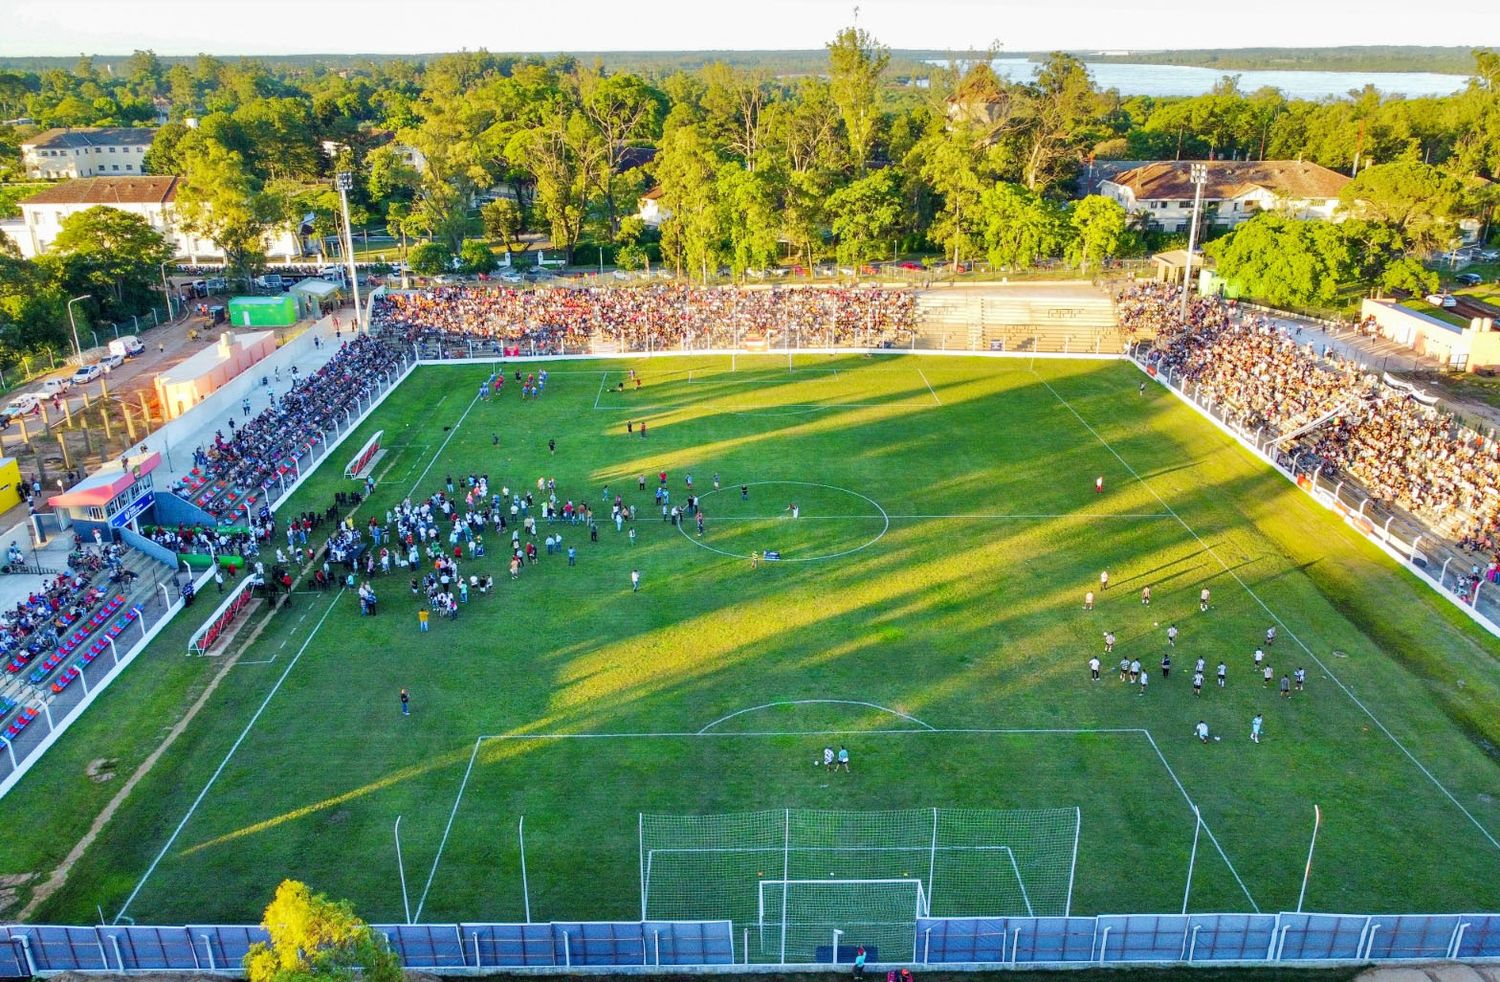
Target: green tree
(1419, 203)
(687, 168)
(475, 257)
(314, 938)
(1062, 117)
(222, 201)
(32, 306)
(114, 255)
(1282, 260)
(866, 215)
(1020, 226)
(622, 109)
(856, 62)
(1099, 230)
(559, 153)
(503, 221)
(750, 216)
(951, 162)
(430, 258)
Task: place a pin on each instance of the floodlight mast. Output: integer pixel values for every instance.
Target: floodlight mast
(344, 181)
(1198, 174)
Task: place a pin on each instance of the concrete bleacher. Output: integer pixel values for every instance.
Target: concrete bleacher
(1046, 317)
(55, 674)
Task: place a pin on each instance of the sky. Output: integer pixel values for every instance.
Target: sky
(180, 27)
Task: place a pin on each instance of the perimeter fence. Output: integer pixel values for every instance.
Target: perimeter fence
(1287, 938)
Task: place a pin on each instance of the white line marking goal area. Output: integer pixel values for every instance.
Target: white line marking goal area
(1029, 845)
(768, 390)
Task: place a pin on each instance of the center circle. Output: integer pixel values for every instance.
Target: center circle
(780, 527)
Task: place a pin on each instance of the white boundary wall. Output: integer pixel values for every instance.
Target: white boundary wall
(25, 764)
(1375, 535)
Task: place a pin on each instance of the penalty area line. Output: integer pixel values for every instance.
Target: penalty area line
(227, 758)
(1279, 622)
(928, 730)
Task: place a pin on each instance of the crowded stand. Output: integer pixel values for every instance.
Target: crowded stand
(1400, 450)
(554, 321)
(50, 625)
(231, 476)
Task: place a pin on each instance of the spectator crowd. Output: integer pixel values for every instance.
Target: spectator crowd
(552, 321)
(236, 469)
(1400, 450)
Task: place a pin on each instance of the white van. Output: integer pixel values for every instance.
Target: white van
(57, 386)
(126, 347)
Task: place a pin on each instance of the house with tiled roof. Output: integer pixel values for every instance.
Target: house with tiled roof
(88, 151)
(1236, 191)
(153, 198)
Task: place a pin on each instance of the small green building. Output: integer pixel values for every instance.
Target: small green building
(278, 311)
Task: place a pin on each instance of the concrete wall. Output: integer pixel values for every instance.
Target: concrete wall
(1471, 348)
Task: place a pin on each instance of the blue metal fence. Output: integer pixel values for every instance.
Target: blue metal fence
(1105, 939)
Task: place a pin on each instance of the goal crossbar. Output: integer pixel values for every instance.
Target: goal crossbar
(920, 907)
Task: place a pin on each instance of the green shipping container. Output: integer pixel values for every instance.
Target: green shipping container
(263, 311)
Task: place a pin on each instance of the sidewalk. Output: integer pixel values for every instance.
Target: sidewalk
(178, 439)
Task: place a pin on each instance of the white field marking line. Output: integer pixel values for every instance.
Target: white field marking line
(444, 446)
(815, 702)
(603, 378)
(414, 463)
(448, 828)
(807, 406)
(1280, 623)
(957, 518)
(227, 757)
(709, 734)
(1193, 805)
(797, 559)
(286, 640)
(929, 387)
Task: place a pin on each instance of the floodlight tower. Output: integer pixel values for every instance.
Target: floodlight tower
(1199, 176)
(344, 181)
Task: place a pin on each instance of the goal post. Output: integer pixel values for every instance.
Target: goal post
(965, 862)
(809, 920)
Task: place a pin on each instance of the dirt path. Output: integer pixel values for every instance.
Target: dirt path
(59, 876)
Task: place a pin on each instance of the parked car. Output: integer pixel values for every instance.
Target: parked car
(126, 347)
(86, 374)
(22, 405)
(1469, 279)
(111, 361)
(57, 386)
(1489, 255)
(1441, 299)
(911, 265)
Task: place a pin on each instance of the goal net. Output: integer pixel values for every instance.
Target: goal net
(967, 863)
(806, 920)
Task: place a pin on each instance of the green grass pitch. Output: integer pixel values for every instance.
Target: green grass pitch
(927, 614)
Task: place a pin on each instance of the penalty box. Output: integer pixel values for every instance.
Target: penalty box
(766, 389)
(581, 797)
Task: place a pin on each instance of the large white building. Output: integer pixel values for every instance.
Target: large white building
(153, 198)
(87, 152)
(1236, 191)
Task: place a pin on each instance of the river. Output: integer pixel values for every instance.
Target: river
(1178, 80)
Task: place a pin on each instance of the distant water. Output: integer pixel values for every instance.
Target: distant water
(1171, 80)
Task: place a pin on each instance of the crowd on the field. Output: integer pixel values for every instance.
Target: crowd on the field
(429, 538)
(1398, 449)
(237, 467)
(551, 321)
